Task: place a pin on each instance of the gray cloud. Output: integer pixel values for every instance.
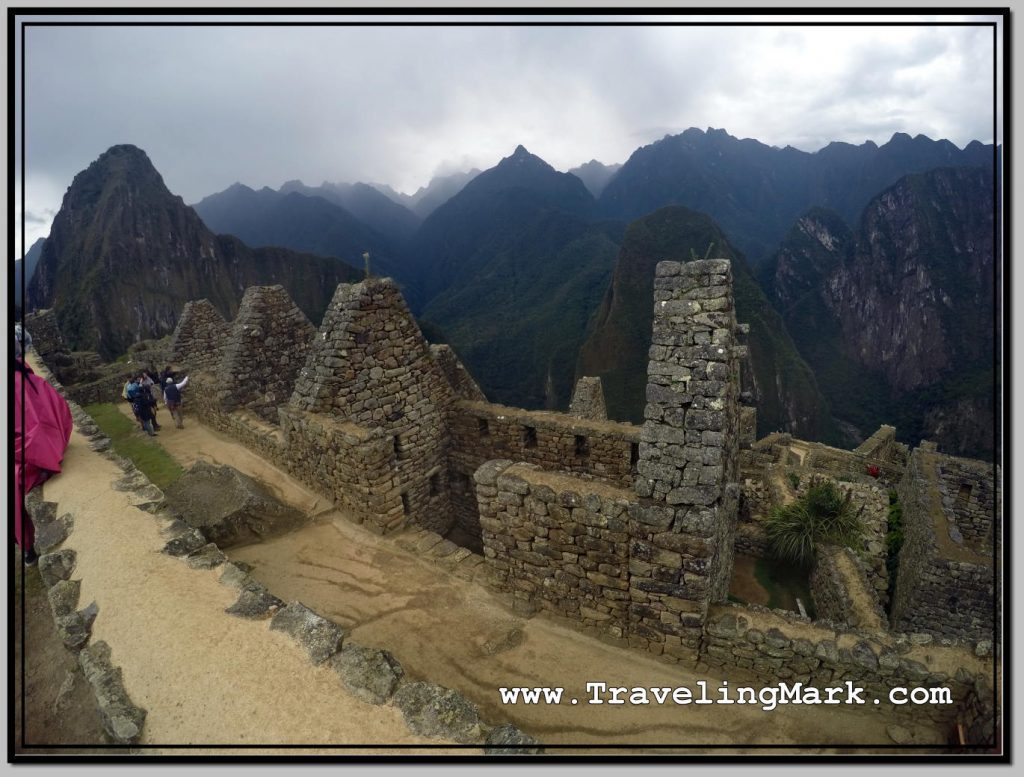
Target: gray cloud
(397, 105)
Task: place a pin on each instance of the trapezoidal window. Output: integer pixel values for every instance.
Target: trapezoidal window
(435, 484)
(483, 427)
(529, 437)
(634, 455)
(963, 495)
(405, 504)
(582, 445)
(398, 446)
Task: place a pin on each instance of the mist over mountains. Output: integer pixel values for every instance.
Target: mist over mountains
(537, 277)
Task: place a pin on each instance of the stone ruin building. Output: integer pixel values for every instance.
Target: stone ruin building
(625, 532)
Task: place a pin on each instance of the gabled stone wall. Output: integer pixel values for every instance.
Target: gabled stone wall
(263, 353)
(199, 336)
(369, 365)
(457, 375)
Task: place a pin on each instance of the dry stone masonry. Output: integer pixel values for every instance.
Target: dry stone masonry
(682, 529)
(199, 335)
(588, 400)
(626, 532)
(458, 376)
(944, 587)
(263, 353)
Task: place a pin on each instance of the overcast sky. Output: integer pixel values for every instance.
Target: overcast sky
(397, 105)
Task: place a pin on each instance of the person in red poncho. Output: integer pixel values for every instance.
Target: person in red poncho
(42, 429)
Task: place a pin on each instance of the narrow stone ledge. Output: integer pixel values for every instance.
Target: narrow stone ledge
(510, 740)
(254, 602)
(54, 567)
(51, 534)
(234, 576)
(432, 711)
(100, 445)
(130, 482)
(39, 511)
(122, 720)
(207, 557)
(320, 637)
(186, 543)
(371, 675)
(63, 597)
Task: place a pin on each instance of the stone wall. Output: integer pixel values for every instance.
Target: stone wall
(773, 647)
(45, 333)
(841, 590)
(349, 464)
(971, 496)
(557, 543)
(370, 366)
(682, 529)
(344, 462)
(263, 353)
(199, 335)
(604, 450)
(588, 400)
(105, 389)
(943, 587)
(457, 375)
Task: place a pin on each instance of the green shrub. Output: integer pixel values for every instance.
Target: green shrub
(823, 515)
(794, 480)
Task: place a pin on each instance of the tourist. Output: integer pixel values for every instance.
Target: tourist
(149, 385)
(42, 429)
(130, 393)
(172, 396)
(142, 405)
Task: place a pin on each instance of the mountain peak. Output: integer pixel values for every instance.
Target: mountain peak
(520, 151)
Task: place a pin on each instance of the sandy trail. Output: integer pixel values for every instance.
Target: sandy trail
(439, 627)
(205, 677)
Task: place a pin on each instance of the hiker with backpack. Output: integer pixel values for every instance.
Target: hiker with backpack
(172, 396)
(143, 405)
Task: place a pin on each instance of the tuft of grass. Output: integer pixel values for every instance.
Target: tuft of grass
(822, 515)
(128, 441)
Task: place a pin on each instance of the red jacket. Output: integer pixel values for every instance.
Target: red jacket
(40, 439)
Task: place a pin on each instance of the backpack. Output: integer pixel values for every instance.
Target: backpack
(132, 392)
(124, 391)
(171, 393)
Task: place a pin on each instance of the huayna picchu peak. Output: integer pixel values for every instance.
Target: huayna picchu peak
(124, 254)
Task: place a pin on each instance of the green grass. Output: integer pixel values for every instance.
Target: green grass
(128, 441)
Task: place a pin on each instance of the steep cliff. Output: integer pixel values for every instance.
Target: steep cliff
(897, 319)
(124, 255)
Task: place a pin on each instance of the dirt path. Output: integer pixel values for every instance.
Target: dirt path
(782, 485)
(205, 677)
(457, 634)
(862, 599)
